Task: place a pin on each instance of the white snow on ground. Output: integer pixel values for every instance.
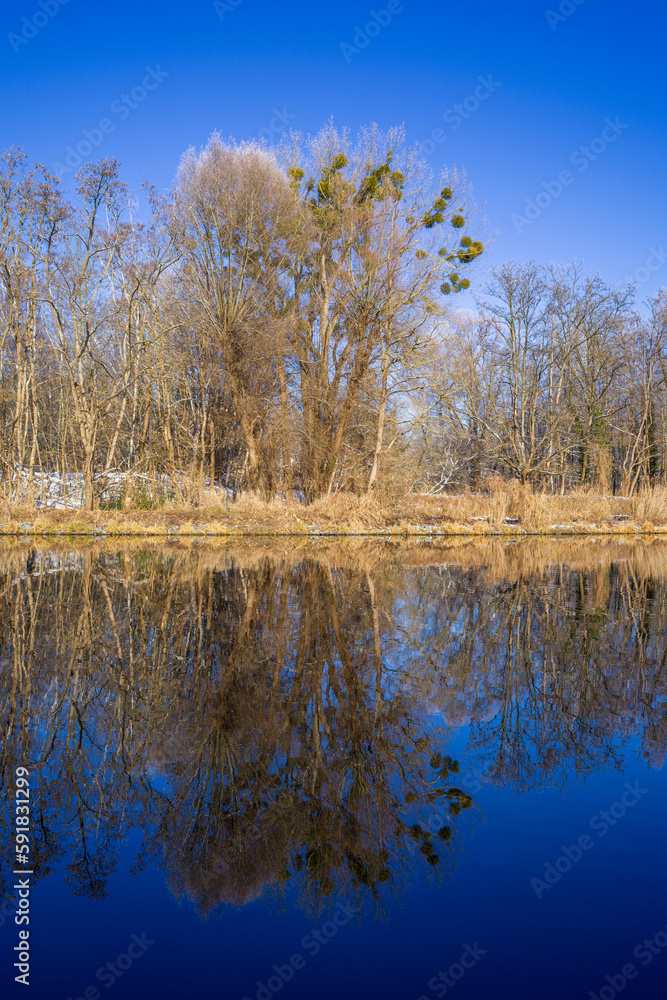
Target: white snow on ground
(50, 492)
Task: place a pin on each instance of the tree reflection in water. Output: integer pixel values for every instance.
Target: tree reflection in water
(266, 714)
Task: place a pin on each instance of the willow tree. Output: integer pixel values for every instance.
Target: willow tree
(234, 217)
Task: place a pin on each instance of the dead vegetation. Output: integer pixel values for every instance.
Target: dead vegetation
(503, 509)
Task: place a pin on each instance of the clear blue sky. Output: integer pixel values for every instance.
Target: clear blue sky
(554, 81)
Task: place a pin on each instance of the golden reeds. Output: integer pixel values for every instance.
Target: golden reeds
(508, 509)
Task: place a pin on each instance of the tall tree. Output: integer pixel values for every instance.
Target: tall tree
(234, 218)
(381, 244)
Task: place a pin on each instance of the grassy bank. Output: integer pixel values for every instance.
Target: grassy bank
(510, 510)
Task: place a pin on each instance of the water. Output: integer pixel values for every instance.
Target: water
(361, 770)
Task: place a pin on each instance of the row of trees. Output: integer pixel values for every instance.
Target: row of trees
(557, 381)
(281, 323)
(254, 329)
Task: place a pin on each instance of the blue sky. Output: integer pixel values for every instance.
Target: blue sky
(553, 82)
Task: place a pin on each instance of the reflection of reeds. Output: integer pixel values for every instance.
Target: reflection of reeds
(192, 559)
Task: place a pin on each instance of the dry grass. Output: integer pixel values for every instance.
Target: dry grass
(504, 509)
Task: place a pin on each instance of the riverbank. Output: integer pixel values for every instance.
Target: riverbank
(512, 512)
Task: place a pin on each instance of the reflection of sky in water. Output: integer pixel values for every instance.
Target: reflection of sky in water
(584, 927)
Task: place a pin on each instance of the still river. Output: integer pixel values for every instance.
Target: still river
(360, 770)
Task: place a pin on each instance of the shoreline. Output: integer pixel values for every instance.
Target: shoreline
(510, 514)
(394, 533)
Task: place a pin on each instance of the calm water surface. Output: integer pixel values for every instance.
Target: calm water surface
(359, 771)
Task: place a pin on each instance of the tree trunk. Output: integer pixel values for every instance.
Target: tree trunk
(88, 482)
(372, 479)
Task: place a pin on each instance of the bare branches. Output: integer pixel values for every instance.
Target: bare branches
(285, 323)
(556, 381)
